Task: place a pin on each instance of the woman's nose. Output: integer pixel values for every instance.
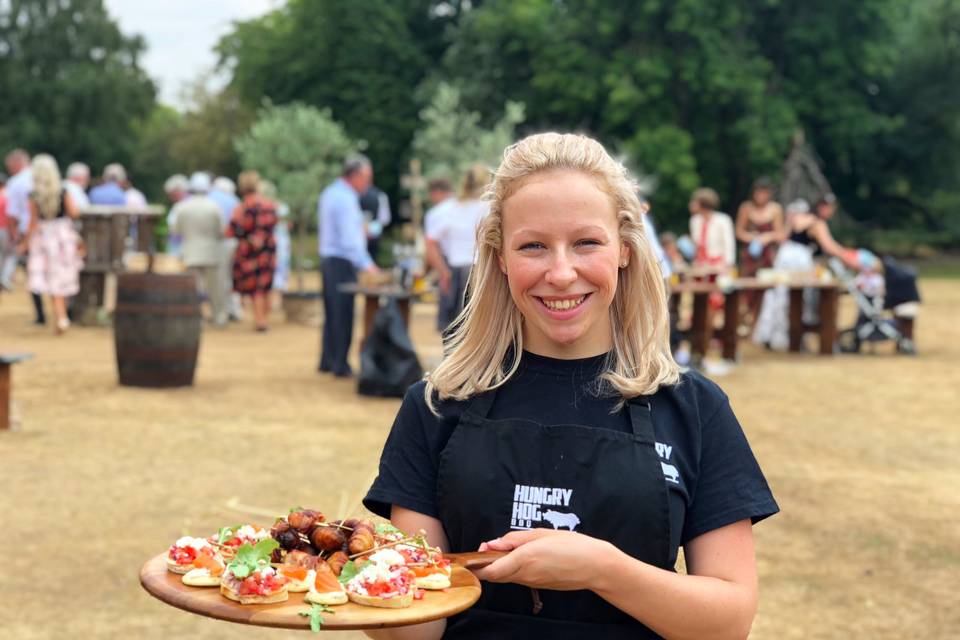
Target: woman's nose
(561, 273)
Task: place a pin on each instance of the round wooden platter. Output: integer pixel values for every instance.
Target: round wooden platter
(206, 601)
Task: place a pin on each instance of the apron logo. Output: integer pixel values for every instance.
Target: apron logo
(670, 472)
(527, 507)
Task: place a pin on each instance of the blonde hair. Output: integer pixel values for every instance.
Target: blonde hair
(474, 182)
(489, 330)
(247, 183)
(47, 186)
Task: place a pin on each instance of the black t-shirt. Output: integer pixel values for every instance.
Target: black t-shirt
(711, 474)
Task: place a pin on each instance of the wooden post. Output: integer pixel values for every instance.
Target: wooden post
(699, 330)
(731, 323)
(828, 319)
(796, 318)
(4, 396)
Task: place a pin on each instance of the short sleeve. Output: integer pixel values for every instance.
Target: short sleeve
(408, 465)
(432, 225)
(730, 485)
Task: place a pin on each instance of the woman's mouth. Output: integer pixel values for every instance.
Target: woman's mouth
(563, 304)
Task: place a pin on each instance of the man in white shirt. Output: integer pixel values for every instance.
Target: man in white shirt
(440, 192)
(78, 179)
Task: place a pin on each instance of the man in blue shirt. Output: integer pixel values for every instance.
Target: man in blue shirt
(111, 191)
(343, 252)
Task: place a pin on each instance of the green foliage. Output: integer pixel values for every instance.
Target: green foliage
(301, 149)
(360, 60)
(71, 83)
(452, 137)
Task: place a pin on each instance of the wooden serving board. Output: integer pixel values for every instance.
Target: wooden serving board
(206, 601)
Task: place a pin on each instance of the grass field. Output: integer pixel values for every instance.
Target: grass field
(861, 452)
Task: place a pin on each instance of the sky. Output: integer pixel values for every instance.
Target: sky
(180, 35)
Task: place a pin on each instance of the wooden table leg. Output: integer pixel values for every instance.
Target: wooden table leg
(4, 396)
(731, 323)
(796, 318)
(829, 297)
(403, 305)
(371, 303)
(699, 336)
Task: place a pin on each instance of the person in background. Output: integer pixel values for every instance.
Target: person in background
(343, 252)
(440, 194)
(281, 236)
(78, 180)
(806, 235)
(19, 188)
(716, 245)
(53, 262)
(451, 240)
(111, 191)
(252, 225)
(711, 231)
(197, 221)
(650, 231)
(6, 243)
(224, 194)
(668, 240)
(177, 188)
(376, 217)
(134, 197)
(760, 228)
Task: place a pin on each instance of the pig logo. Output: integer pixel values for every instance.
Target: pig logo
(558, 519)
(670, 473)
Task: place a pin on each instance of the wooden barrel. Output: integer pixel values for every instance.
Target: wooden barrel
(156, 328)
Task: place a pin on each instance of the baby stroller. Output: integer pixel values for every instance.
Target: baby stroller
(887, 304)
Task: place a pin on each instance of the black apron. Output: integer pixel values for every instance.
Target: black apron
(498, 475)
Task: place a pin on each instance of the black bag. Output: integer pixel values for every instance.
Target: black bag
(388, 362)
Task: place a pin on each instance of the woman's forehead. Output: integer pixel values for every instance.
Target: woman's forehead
(559, 196)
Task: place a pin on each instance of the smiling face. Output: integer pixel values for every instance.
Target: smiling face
(561, 254)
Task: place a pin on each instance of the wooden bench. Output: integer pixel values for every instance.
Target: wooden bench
(6, 361)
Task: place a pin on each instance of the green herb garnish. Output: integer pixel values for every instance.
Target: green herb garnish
(316, 617)
(227, 533)
(387, 529)
(349, 572)
(251, 557)
(292, 509)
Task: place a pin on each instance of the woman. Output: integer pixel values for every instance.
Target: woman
(711, 231)
(760, 228)
(806, 236)
(451, 242)
(558, 401)
(252, 224)
(54, 262)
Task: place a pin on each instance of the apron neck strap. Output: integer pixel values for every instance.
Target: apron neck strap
(480, 404)
(640, 419)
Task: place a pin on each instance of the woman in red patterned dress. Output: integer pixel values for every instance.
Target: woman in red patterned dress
(256, 258)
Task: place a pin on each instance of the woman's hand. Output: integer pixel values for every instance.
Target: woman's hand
(547, 559)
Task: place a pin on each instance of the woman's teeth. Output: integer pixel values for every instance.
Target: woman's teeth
(563, 305)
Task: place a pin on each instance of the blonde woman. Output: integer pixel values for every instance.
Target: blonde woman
(53, 264)
(451, 241)
(559, 429)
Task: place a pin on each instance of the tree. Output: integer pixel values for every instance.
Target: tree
(71, 82)
(360, 60)
(452, 138)
(301, 149)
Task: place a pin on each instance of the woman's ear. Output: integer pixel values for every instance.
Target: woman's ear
(503, 265)
(624, 255)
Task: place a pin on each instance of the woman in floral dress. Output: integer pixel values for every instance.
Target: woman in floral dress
(252, 225)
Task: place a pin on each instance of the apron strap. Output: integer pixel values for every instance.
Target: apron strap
(640, 419)
(480, 404)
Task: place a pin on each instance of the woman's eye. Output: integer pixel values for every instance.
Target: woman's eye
(588, 242)
(531, 246)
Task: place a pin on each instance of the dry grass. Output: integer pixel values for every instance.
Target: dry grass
(861, 453)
